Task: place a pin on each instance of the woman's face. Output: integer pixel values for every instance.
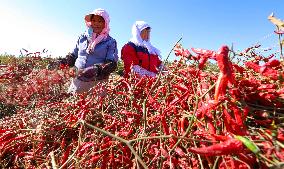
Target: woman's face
(97, 23)
(145, 34)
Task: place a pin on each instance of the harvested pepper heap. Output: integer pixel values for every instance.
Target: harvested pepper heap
(199, 114)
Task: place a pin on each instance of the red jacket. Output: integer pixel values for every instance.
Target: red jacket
(138, 55)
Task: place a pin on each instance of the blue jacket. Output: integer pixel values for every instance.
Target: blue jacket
(105, 50)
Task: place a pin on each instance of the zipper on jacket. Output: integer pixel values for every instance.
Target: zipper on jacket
(146, 51)
(149, 62)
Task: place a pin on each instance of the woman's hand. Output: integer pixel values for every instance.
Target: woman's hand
(79, 72)
(88, 74)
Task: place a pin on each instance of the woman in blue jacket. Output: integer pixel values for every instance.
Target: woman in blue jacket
(95, 53)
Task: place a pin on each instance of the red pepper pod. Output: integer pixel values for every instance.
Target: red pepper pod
(183, 124)
(125, 132)
(204, 52)
(94, 159)
(267, 86)
(238, 68)
(221, 85)
(165, 125)
(83, 148)
(6, 137)
(272, 63)
(66, 154)
(180, 152)
(231, 146)
(280, 32)
(4, 130)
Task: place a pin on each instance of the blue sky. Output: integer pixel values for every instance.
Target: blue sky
(56, 24)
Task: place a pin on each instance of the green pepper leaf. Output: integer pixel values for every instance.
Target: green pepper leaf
(249, 144)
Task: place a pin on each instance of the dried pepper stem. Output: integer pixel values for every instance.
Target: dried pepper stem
(118, 138)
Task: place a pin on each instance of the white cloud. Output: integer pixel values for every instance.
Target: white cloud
(18, 31)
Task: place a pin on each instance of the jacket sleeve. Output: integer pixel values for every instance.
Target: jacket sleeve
(110, 64)
(112, 51)
(76, 48)
(129, 57)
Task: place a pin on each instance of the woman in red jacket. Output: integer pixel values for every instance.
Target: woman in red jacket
(139, 55)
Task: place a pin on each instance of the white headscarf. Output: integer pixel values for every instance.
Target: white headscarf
(94, 39)
(137, 27)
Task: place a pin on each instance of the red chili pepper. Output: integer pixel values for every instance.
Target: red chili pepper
(220, 137)
(280, 32)
(184, 124)
(179, 99)
(267, 96)
(272, 63)
(105, 160)
(211, 127)
(280, 155)
(83, 113)
(84, 148)
(41, 145)
(202, 62)
(164, 152)
(111, 159)
(140, 83)
(204, 52)
(238, 68)
(180, 51)
(203, 134)
(180, 87)
(63, 143)
(231, 146)
(238, 115)
(267, 86)
(3, 66)
(125, 132)
(229, 162)
(165, 125)
(19, 137)
(123, 159)
(180, 152)
(232, 126)
(66, 154)
(268, 72)
(126, 151)
(106, 145)
(226, 72)
(280, 135)
(248, 158)
(235, 93)
(4, 130)
(172, 141)
(171, 162)
(94, 159)
(6, 137)
(153, 103)
(223, 62)
(221, 85)
(205, 108)
(112, 125)
(106, 139)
